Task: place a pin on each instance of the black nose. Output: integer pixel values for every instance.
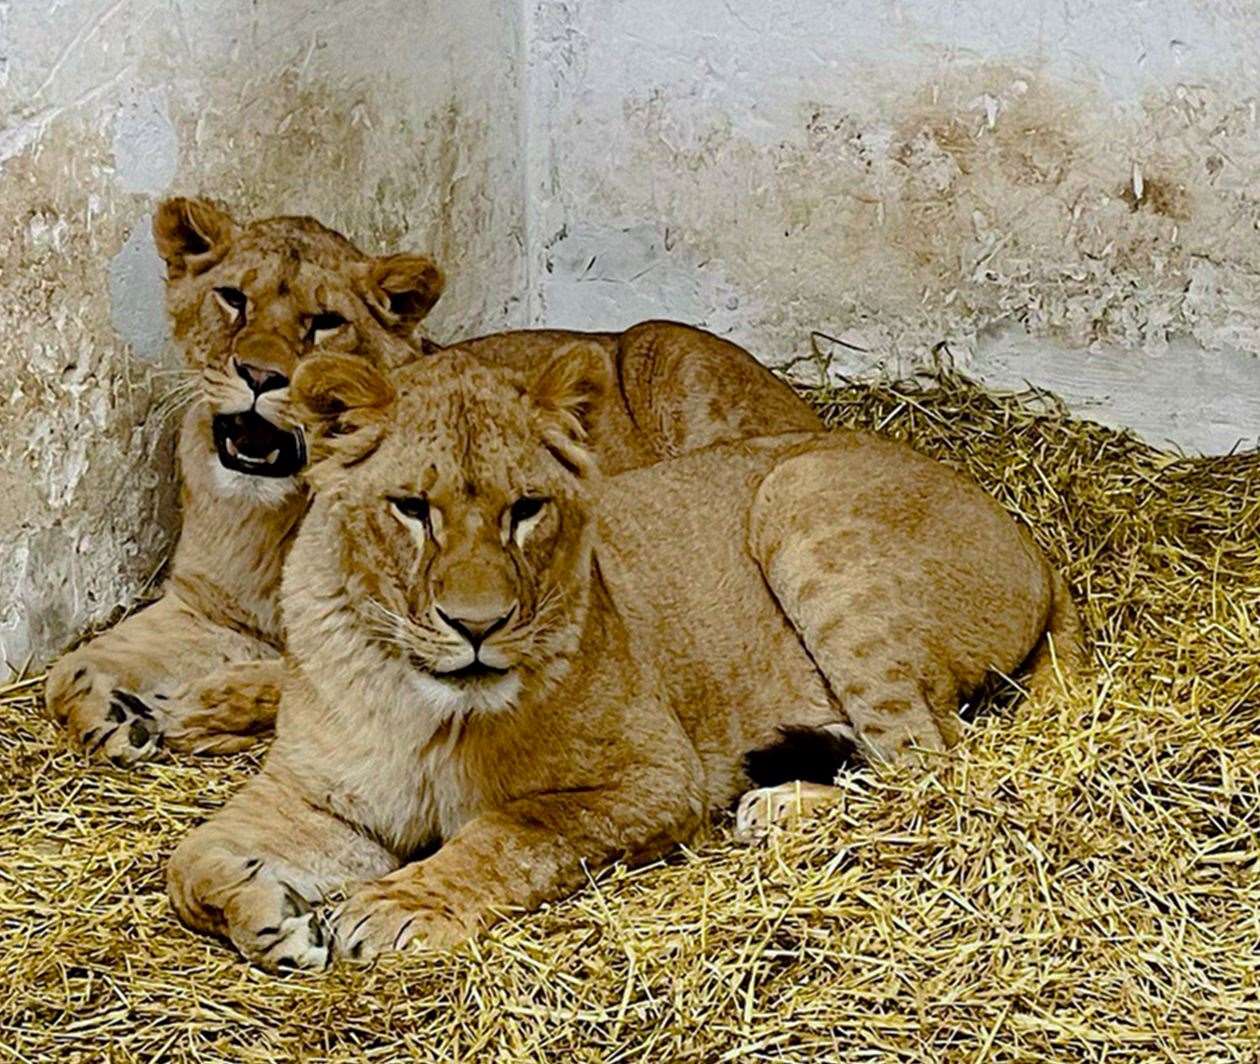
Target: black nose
(476, 632)
(260, 379)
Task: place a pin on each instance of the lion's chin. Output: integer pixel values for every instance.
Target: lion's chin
(464, 691)
(248, 443)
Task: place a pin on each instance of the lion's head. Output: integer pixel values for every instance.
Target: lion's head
(249, 302)
(455, 500)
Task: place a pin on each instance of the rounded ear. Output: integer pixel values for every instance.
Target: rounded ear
(191, 234)
(566, 393)
(401, 289)
(342, 402)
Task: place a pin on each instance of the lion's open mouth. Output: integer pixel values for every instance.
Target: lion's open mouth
(249, 443)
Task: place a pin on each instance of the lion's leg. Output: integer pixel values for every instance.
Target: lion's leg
(516, 857)
(225, 710)
(895, 699)
(257, 871)
(105, 691)
(837, 579)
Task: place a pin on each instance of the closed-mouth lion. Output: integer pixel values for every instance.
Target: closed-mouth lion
(200, 669)
(497, 651)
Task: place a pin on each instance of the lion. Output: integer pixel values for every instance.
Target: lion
(200, 668)
(246, 302)
(497, 651)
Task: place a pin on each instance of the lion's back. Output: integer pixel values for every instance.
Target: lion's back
(678, 389)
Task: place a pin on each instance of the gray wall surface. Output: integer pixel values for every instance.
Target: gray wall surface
(885, 178)
(391, 120)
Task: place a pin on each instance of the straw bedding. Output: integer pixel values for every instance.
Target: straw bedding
(1077, 882)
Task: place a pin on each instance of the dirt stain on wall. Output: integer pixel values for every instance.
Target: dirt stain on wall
(992, 195)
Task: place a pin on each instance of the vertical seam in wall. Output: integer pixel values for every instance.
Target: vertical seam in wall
(528, 166)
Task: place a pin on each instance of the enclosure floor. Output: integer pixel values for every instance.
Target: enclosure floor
(1076, 882)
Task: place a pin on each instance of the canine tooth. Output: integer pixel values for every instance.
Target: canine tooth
(231, 449)
(271, 458)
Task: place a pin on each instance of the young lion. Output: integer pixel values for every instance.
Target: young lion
(246, 302)
(199, 669)
(494, 649)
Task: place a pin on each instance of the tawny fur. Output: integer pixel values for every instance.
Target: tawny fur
(653, 627)
(169, 673)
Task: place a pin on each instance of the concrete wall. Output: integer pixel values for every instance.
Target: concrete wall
(1067, 192)
(393, 120)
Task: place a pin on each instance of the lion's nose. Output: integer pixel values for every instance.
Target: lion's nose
(476, 629)
(263, 360)
(259, 378)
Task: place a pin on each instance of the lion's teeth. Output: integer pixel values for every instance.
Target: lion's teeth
(231, 449)
(271, 458)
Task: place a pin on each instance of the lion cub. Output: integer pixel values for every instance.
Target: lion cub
(247, 301)
(499, 652)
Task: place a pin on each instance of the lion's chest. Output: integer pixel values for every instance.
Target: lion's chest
(407, 801)
(405, 786)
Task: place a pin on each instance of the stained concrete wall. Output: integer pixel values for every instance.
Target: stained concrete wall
(392, 120)
(1061, 192)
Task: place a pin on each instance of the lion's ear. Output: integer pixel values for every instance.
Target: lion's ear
(401, 289)
(342, 402)
(566, 393)
(191, 234)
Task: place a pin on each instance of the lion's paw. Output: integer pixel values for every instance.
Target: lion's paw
(106, 721)
(126, 730)
(378, 919)
(765, 807)
(298, 943)
(274, 925)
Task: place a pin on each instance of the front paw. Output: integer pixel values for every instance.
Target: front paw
(109, 723)
(271, 922)
(382, 918)
(125, 730)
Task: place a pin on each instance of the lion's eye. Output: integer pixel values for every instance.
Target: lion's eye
(411, 507)
(525, 509)
(233, 300)
(323, 323)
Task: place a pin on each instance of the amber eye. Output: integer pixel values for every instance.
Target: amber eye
(325, 321)
(232, 300)
(411, 507)
(525, 508)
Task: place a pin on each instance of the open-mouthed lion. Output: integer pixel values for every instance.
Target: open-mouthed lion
(246, 303)
(496, 650)
(199, 669)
